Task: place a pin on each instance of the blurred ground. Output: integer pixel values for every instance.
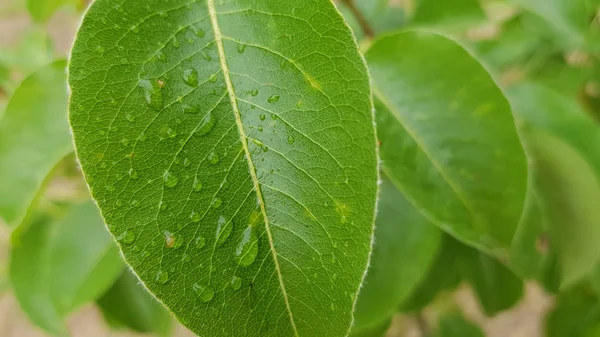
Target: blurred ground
(525, 320)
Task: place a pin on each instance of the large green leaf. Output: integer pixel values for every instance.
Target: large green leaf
(34, 136)
(448, 138)
(230, 146)
(58, 265)
(406, 244)
(448, 13)
(576, 314)
(563, 143)
(128, 304)
(454, 324)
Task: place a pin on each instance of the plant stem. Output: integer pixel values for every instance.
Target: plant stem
(362, 21)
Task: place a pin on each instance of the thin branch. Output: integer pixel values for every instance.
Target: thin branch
(362, 21)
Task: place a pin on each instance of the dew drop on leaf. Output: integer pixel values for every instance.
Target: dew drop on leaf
(254, 92)
(235, 283)
(204, 292)
(100, 50)
(247, 249)
(197, 185)
(167, 133)
(161, 56)
(187, 162)
(213, 78)
(152, 93)
(207, 124)
(128, 237)
(162, 277)
(200, 242)
(273, 99)
(195, 216)
(198, 32)
(263, 117)
(190, 109)
(241, 48)
(223, 230)
(214, 158)
(190, 76)
(217, 202)
(170, 179)
(291, 140)
(130, 118)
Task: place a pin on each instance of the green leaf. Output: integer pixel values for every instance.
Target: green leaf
(230, 146)
(454, 324)
(375, 331)
(562, 142)
(128, 304)
(576, 314)
(59, 265)
(406, 244)
(34, 136)
(33, 51)
(448, 137)
(443, 275)
(381, 15)
(448, 13)
(496, 287)
(42, 10)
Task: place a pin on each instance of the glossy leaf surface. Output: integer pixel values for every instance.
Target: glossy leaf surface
(34, 136)
(448, 137)
(230, 146)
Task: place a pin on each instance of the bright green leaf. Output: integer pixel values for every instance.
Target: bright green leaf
(454, 324)
(34, 136)
(405, 246)
(42, 10)
(230, 146)
(448, 137)
(563, 141)
(59, 265)
(33, 51)
(128, 304)
(448, 13)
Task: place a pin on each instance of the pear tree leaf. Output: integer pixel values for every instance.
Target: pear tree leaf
(455, 324)
(448, 137)
(231, 149)
(128, 304)
(563, 143)
(448, 13)
(406, 244)
(34, 137)
(42, 10)
(59, 265)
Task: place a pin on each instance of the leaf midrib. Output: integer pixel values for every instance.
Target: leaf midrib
(244, 139)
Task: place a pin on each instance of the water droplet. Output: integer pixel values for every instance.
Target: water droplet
(187, 162)
(169, 240)
(213, 78)
(332, 307)
(170, 179)
(254, 92)
(291, 140)
(167, 132)
(135, 203)
(224, 228)
(200, 242)
(252, 106)
(195, 216)
(247, 249)
(119, 8)
(143, 137)
(299, 104)
(152, 94)
(235, 283)
(198, 32)
(273, 99)
(128, 237)
(130, 118)
(100, 50)
(207, 124)
(260, 128)
(263, 117)
(162, 205)
(241, 48)
(206, 56)
(258, 142)
(161, 56)
(204, 292)
(110, 188)
(190, 76)
(190, 109)
(162, 277)
(266, 149)
(214, 158)
(343, 220)
(191, 41)
(217, 202)
(125, 142)
(164, 14)
(197, 185)
(175, 42)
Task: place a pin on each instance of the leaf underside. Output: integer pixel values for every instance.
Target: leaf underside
(230, 147)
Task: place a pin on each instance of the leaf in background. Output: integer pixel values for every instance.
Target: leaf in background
(232, 153)
(563, 144)
(128, 304)
(382, 16)
(33, 51)
(448, 137)
(448, 13)
(42, 10)
(576, 314)
(58, 265)
(443, 275)
(34, 136)
(376, 331)
(496, 287)
(454, 324)
(406, 244)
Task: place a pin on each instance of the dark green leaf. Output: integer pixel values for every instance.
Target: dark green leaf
(57, 266)
(448, 137)
(562, 142)
(405, 246)
(231, 149)
(576, 314)
(34, 136)
(128, 304)
(454, 324)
